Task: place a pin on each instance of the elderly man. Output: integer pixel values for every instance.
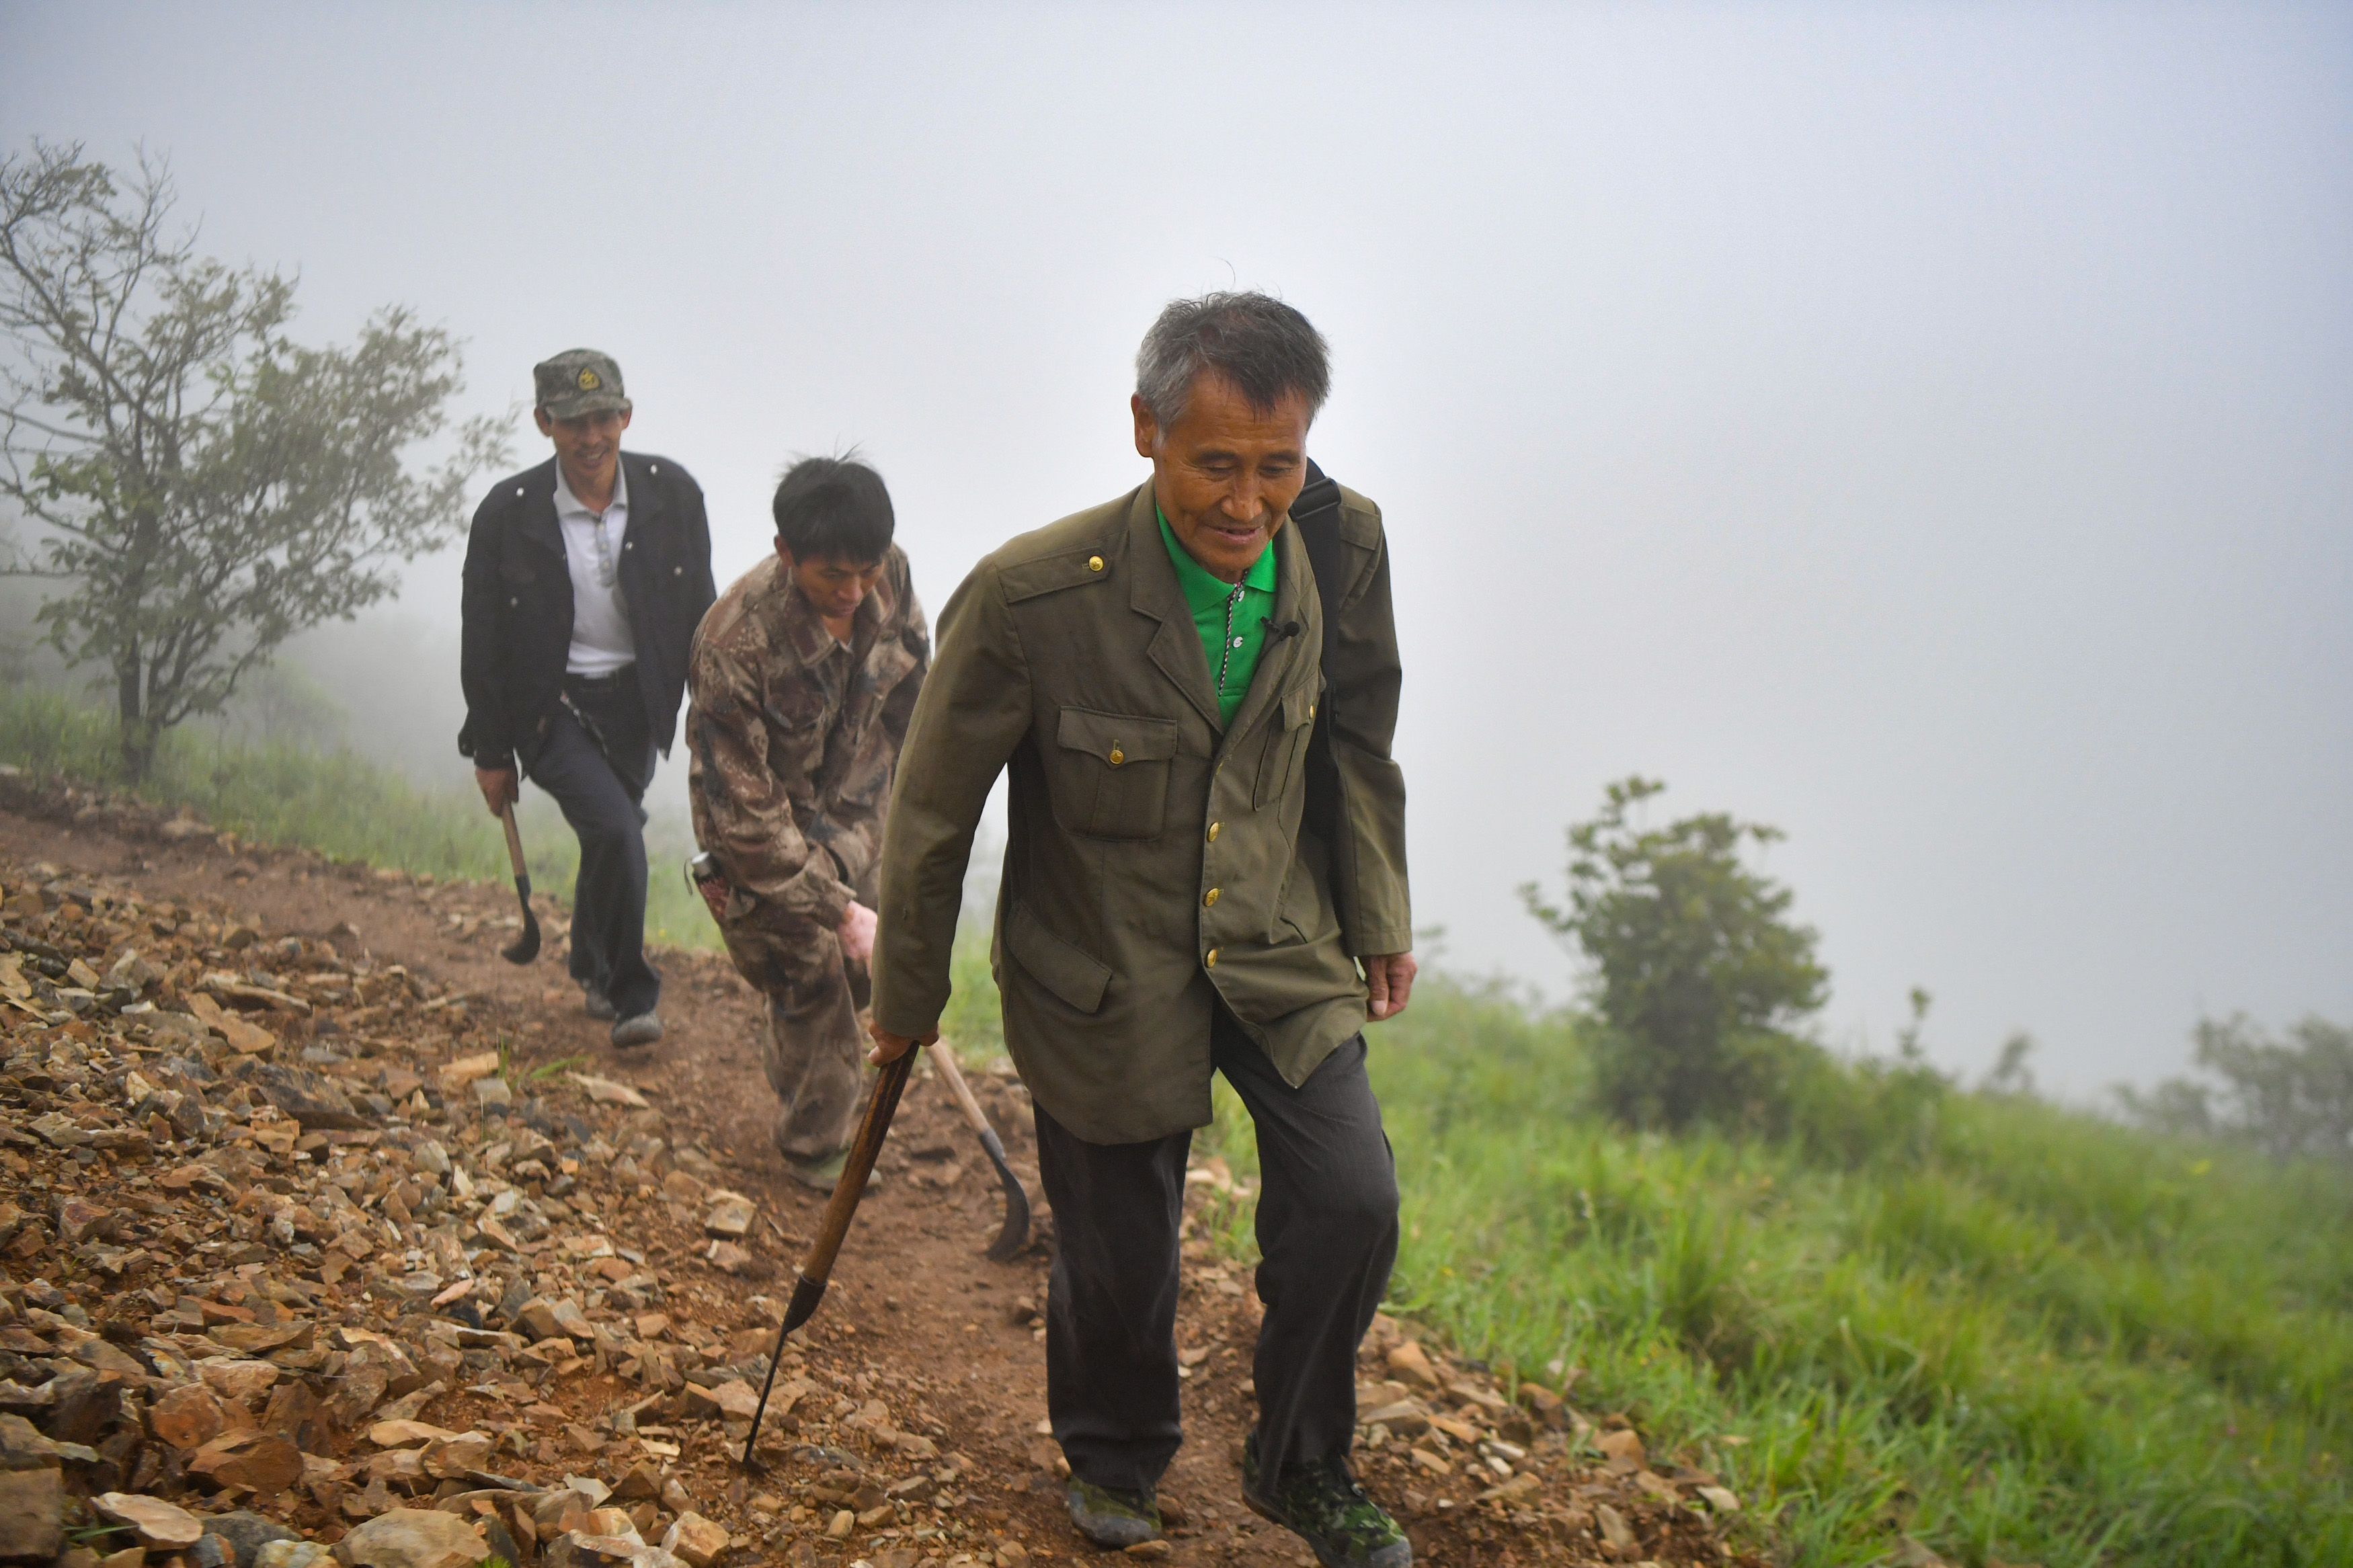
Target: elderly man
(1206, 839)
(803, 676)
(583, 580)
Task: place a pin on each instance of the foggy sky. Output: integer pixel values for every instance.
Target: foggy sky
(1922, 428)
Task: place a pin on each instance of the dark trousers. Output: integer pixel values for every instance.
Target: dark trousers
(598, 778)
(1327, 1234)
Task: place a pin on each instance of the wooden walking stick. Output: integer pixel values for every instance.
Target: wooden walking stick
(817, 1268)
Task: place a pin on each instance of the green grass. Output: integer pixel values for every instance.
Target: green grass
(972, 1023)
(354, 808)
(2007, 1330)
(340, 803)
(2004, 1328)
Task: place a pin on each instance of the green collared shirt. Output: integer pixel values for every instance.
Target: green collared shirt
(1230, 617)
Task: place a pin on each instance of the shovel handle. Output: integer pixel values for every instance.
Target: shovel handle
(945, 1059)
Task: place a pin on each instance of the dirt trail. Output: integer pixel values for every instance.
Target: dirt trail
(917, 1318)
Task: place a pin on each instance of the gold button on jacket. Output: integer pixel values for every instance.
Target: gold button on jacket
(1089, 689)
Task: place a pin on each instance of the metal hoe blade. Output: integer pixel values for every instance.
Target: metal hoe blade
(1015, 1236)
(524, 948)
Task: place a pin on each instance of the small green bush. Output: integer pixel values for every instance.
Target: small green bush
(1696, 968)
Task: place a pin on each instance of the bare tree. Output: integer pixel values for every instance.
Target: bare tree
(204, 487)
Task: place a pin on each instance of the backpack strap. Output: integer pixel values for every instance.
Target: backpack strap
(1316, 515)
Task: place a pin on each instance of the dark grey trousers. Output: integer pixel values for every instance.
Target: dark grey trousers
(598, 787)
(1327, 1234)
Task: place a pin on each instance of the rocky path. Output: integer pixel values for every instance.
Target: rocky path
(320, 1222)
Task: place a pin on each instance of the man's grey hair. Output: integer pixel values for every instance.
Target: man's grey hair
(1266, 348)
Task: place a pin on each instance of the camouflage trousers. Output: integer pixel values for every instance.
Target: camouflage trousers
(815, 1053)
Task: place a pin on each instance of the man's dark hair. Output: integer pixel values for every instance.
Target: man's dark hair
(833, 508)
(1264, 346)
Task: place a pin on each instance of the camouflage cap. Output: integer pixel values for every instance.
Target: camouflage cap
(578, 382)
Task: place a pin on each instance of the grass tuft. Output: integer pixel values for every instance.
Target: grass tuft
(2005, 1329)
(339, 803)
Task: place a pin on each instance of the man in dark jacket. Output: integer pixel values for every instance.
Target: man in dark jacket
(584, 579)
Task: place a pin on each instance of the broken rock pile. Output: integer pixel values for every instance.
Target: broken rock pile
(296, 1261)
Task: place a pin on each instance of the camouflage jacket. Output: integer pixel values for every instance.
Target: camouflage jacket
(791, 738)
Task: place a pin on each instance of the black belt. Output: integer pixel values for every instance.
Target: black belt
(627, 674)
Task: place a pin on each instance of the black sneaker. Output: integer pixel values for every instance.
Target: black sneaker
(1112, 1518)
(596, 1003)
(642, 1030)
(1319, 1502)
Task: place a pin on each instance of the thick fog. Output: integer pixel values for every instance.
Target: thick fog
(1922, 428)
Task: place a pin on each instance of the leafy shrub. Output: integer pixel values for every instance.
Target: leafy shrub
(2289, 1099)
(1698, 971)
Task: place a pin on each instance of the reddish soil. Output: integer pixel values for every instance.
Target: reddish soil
(916, 1314)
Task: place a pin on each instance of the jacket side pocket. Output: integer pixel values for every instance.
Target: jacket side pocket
(1072, 973)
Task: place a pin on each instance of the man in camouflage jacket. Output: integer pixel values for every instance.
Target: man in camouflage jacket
(802, 677)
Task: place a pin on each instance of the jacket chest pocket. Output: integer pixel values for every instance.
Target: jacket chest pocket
(519, 584)
(1110, 773)
(1287, 731)
(795, 705)
(536, 595)
(796, 716)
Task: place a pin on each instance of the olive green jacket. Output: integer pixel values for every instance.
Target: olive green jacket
(1153, 861)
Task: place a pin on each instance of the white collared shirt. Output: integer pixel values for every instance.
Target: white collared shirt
(601, 642)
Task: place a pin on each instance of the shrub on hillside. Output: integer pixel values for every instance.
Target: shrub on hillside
(1696, 971)
(2290, 1099)
(1848, 1114)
